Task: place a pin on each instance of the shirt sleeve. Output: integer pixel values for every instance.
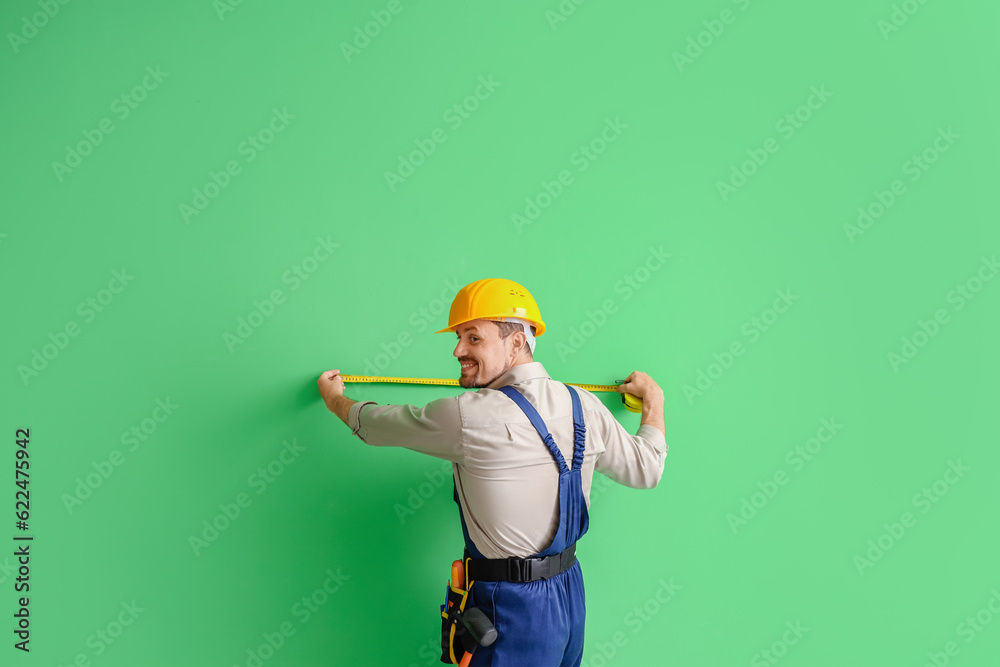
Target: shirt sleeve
(633, 460)
(435, 429)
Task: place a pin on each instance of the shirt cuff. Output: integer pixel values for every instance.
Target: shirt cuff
(354, 418)
(654, 435)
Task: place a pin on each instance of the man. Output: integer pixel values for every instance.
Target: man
(502, 441)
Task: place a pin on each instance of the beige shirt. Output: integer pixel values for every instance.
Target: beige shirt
(507, 481)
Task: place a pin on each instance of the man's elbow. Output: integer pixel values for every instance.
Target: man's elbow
(651, 482)
(652, 477)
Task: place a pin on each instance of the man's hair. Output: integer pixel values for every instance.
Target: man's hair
(507, 328)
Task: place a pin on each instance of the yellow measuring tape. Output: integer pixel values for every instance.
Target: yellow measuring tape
(632, 403)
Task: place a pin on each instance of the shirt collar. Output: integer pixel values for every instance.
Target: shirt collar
(520, 373)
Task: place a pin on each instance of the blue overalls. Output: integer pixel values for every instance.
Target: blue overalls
(540, 623)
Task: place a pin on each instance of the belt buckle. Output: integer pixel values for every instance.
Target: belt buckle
(518, 569)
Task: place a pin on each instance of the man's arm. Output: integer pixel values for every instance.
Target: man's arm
(331, 388)
(635, 460)
(642, 386)
(652, 412)
(434, 429)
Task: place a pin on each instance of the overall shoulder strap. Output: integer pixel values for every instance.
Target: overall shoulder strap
(536, 420)
(579, 429)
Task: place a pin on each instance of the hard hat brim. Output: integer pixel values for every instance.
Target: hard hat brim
(539, 326)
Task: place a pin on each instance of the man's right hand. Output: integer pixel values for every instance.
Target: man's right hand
(641, 385)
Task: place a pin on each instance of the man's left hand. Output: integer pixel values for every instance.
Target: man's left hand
(330, 384)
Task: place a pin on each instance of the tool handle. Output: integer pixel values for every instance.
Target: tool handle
(632, 403)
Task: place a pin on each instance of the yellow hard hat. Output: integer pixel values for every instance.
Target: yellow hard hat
(493, 299)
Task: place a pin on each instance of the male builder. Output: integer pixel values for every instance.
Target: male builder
(524, 449)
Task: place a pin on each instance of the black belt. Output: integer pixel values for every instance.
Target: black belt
(520, 570)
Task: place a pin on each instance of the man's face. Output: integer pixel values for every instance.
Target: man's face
(484, 355)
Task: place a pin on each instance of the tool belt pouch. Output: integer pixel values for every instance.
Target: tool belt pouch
(451, 640)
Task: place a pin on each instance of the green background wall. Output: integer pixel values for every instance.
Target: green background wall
(811, 481)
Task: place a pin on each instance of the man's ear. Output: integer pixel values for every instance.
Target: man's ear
(524, 341)
(512, 341)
